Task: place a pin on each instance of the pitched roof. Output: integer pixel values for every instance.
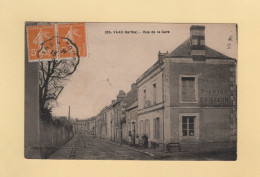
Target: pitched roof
(130, 97)
(183, 51)
(134, 105)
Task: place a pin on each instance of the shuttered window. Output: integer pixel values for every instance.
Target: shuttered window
(188, 89)
(154, 93)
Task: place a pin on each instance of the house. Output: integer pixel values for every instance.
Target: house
(109, 114)
(99, 125)
(117, 116)
(129, 119)
(188, 98)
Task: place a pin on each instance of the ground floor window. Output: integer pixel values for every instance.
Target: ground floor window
(189, 126)
(142, 128)
(147, 127)
(156, 128)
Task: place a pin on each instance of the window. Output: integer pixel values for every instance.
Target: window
(154, 93)
(147, 127)
(188, 89)
(144, 97)
(142, 127)
(156, 128)
(188, 125)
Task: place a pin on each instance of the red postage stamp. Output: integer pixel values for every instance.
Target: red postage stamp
(56, 41)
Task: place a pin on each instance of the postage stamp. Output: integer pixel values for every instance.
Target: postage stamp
(56, 41)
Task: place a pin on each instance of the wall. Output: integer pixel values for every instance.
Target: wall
(52, 137)
(131, 116)
(214, 124)
(109, 125)
(148, 86)
(214, 81)
(215, 103)
(151, 116)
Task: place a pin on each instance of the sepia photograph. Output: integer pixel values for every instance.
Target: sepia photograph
(131, 91)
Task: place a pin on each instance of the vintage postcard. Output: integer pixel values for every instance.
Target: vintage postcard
(131, 91)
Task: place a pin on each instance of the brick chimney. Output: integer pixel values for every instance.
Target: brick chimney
(197, 42)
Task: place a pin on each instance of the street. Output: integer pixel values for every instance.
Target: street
(85, 146)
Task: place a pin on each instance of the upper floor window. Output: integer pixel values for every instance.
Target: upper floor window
(154, 93)
(188, 89)
(144, 97)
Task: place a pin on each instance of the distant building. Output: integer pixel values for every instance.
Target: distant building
(101, 124)
(109, 114)
(117, 116)
(188, 97)
(80, 126)
(129, 120)
(104, 123)
(92, 125)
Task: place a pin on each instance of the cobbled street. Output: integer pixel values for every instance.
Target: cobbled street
(85, 146)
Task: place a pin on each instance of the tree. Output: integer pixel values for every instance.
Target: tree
(52, 76)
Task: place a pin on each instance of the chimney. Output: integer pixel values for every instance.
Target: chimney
(133, 86)
(121, 95)
(197, 42)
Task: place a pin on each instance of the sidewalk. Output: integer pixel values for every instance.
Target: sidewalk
(63, 152)
(229, 155)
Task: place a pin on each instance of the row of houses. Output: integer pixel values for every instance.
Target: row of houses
(187, 99)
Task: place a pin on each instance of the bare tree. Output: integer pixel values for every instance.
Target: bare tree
(52, 78)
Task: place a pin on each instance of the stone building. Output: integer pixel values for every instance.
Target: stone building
(188, 97)
(98, 128)
(117, 116)
(101, 124)
(131, 125)
(129, 116)
(104, 123)
(108, 113)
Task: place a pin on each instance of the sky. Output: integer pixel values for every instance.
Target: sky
(116, 60)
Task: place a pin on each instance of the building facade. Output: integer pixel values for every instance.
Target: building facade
(131, 125)
(188, 97)
(118, 116)
(129, 116)
(99, 125)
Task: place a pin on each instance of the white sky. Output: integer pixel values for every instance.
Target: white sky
(122, 58)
